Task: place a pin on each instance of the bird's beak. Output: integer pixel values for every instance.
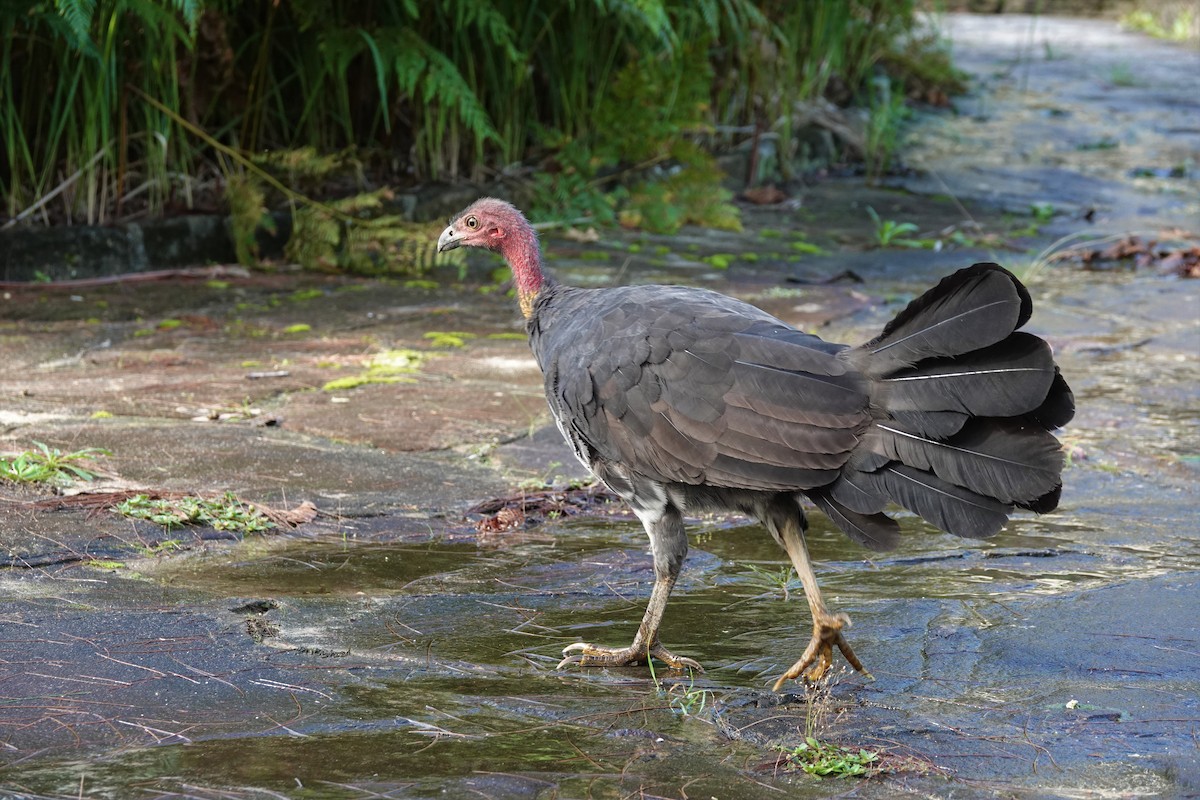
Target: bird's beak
(448, 240)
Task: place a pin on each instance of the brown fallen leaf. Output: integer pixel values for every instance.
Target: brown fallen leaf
(1178, 259)
(764, 195)
(305, 512)
(506, 519)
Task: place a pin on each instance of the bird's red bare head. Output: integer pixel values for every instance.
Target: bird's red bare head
(489, 223)
(496, 225)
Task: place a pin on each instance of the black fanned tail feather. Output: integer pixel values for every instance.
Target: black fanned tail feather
(964, 405)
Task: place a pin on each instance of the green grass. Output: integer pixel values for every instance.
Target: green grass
(45, 464)
(683, 699)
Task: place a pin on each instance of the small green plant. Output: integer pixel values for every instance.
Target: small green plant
(822, 759)
(1042, 212)
(224, 513)
(774, 580)
(809, 248)
(1121, 74)
(49, 465)
(889, 233)
(719, 260)
(685, 700)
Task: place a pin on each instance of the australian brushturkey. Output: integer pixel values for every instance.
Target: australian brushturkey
(685, 400)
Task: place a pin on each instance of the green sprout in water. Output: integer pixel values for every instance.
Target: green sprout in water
(773, 580)
(49, 465)
(685, 700)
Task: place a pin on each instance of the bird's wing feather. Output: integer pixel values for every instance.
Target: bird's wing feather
(695, 387)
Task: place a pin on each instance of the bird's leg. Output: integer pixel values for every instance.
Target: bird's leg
(827, 626)
(669, 543)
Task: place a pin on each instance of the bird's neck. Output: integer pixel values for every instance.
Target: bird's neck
(525, 260)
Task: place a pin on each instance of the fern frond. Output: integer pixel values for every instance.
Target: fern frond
(78, 16)
(488, 20)
(651, 15)
(190, 10)
(442, 86)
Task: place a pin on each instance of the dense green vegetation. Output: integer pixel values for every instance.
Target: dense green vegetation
(116, 107)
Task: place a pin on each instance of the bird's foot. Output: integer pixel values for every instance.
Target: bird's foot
(818, 656)
(590, 655)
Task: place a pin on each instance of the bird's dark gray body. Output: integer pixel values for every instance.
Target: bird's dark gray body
(694, 388)
(682, 397)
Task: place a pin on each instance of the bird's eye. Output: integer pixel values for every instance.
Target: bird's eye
(472, 223)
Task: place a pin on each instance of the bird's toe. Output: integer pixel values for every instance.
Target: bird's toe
(570, 661)
(675, 662)
(589, 655)
(818, 656)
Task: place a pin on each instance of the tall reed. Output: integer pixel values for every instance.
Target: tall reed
(73, 144)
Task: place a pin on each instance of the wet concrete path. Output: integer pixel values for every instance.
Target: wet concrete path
(388, 649)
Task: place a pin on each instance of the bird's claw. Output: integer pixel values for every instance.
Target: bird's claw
(589, 655)
(818, 656)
